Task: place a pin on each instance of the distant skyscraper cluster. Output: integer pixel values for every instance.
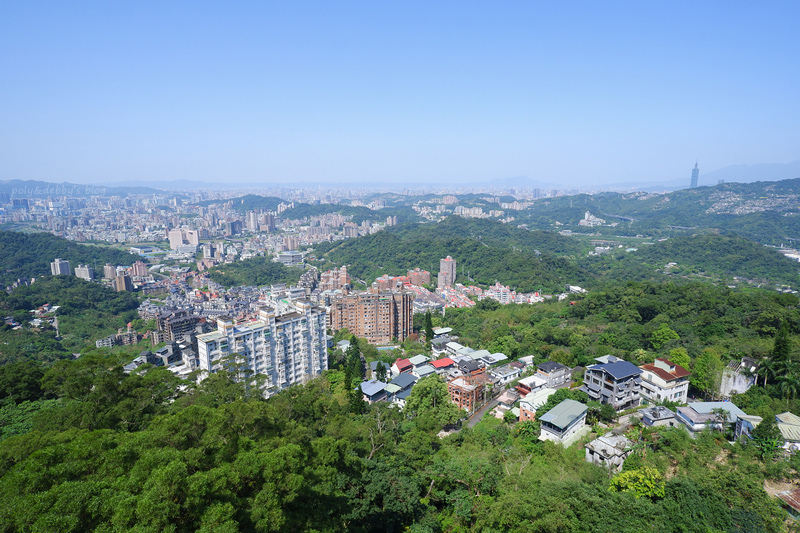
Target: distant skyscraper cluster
(695, 175)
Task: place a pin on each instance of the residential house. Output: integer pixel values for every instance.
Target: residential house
(664, 380)
(789, 426)
(443, 365)
(373, 369)
(531, 384)
(419, 360)
(402, 366)
(423, 371)
(373, 391)
(463, 393)
(556, 374)
(529, 404)
(609, 451)
(616, 383)
(505, 374)
(658, 416)
(698, 416)
(563, 421)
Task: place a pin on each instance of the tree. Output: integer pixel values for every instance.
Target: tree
(429, 398)
(766, 437)
(782, 348)
(428, 330)
(707, 371)
(680, 356)
(662, 336)
(645, 482)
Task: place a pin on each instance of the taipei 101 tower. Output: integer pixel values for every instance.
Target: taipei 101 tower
(695, 174)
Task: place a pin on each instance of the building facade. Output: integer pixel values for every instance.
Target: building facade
(59, 267)
(617, 383)
(377, 317)
(663, 380)
(282, 349)
(447, 272)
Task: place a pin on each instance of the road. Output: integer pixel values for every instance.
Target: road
(477, 415)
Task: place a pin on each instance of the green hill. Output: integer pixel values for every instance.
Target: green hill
(28, 255)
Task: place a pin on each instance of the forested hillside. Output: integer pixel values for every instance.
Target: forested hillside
(127, 453)
(390, 253)
(258, 271)
(766, 212)
(703, 256)
(27, 255)
(88, 311)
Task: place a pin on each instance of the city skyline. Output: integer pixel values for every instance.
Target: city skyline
(357, 93)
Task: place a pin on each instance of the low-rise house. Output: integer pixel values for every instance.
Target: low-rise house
(555, 374)
(609, 451)
(470, 368)
(527, 361)
(531, 384)
(738, 377)
(439, 346)
(529, 404)
(373, 369)
(464, 394)
(790, 500)
(789, 426)
(443, 365)
(617, 383)
(563, 421)
(745, 424)
(419, 360)
(698, 416)
(508, 398)
(658, 416)
(402, 366)
(664, 380)
(505, 374)
(493, 359)
(373, 390)
(423, 371)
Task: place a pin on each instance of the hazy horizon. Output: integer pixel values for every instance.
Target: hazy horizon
(576, 95)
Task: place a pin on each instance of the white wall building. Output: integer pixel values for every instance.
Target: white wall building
(286, 349)
(664, 381)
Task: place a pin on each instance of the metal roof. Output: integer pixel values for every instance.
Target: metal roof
(618, 369)
(564, 414)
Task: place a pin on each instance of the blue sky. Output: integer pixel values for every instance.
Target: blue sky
(420, 92)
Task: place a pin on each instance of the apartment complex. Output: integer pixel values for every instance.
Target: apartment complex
(285, 349)
(378, 317)
(59, 267)
(447, 272)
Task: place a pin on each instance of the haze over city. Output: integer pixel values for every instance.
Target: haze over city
(574, 95)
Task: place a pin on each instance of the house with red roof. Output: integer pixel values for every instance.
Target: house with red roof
(443, 364)
(664, 380)
(402, 366)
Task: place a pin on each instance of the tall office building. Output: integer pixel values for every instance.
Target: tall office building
(379, 317)
(447, 272)
(60, 267)
(695, 175)
(285, 348)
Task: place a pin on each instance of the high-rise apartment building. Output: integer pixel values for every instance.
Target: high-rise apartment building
(60, 267)
(695, 175)
(84, 272)
(285, 348)
(378, 317)
(123, 282)
(333, 279)
(109, 271)
(139, 269)
(447, 272)
(419, 277)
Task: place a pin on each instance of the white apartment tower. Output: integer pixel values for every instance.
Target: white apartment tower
(60, 267)
(285, 348)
